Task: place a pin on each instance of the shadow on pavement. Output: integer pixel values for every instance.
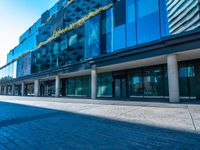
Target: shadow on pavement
(46, 129)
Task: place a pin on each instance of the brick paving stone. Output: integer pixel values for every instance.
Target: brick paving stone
(45, 125)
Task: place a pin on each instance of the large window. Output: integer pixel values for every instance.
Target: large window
(130, 22)
(79, 86)
(135, 83)
(148, 25)
(92, 37)
(105, 85)
(153, 82)
(189, 79)
(119, 24)
(148, 82)
(163, 18)
(183, 80)
(107, 31)
(65, 50)
(119, 12)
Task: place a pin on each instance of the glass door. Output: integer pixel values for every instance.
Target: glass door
(120, 83)
(117, 88)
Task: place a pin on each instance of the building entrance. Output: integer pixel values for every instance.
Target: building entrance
(120, 84)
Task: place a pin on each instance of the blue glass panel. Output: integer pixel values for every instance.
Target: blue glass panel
(130, 22)
(107, 31)
(119, 37)
(163, 18)
(148, 28)
(92, 37)
(73, 40)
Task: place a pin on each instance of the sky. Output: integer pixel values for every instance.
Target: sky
(16, 16)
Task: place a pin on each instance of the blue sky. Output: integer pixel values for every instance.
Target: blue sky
(15, 17)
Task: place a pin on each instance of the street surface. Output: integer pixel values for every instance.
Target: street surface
(30, 123)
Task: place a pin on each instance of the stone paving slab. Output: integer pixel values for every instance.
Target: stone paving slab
(38, 123)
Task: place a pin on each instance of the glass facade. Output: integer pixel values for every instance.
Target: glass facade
(24, 66)
(104, 82)
(125, 24)
(189, 79)
(8, 72)
(66, 50)
(148, 25)
(148, 82)
(79, 86)
(47, 88)
(107, 31)
(92, 40)
(131, 23)
(29, 89)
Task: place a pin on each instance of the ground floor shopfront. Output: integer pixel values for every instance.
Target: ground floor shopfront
(142, 82)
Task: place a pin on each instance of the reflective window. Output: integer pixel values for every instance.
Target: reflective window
(163, 18)
(70, 87)
(79, 86)
(24, 66)
(92, 37)
(153, 82)
(55, 48)
(119, 37)
(107, 31)
(63, 44)
(104, 85)
(135, 84)
(119, 12)
(183, 80)
(73, 40)
(148, 28)
(189, 79)
(130, 22)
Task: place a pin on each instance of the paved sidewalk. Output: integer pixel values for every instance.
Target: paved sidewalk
(63, 123)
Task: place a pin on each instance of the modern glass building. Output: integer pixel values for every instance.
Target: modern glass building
(118, 49)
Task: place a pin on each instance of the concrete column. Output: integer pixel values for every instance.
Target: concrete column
(22, 88)
(173, 79)
(0, 90)
(36, 88)
(57, 86)
(13, 90)
(93, 83)
(5, 90)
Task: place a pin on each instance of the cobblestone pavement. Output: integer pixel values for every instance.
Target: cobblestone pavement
(29, 123)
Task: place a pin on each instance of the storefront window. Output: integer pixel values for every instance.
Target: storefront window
(135, 84)
(105, 85)
(189, 79)
(183, 80)
(79, 86)
(153, 82)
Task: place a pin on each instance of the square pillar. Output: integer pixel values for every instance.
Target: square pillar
(57, 86)
(173, 78)
(22, 88)
(93, 83)
(36, 88)
(0, 90)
